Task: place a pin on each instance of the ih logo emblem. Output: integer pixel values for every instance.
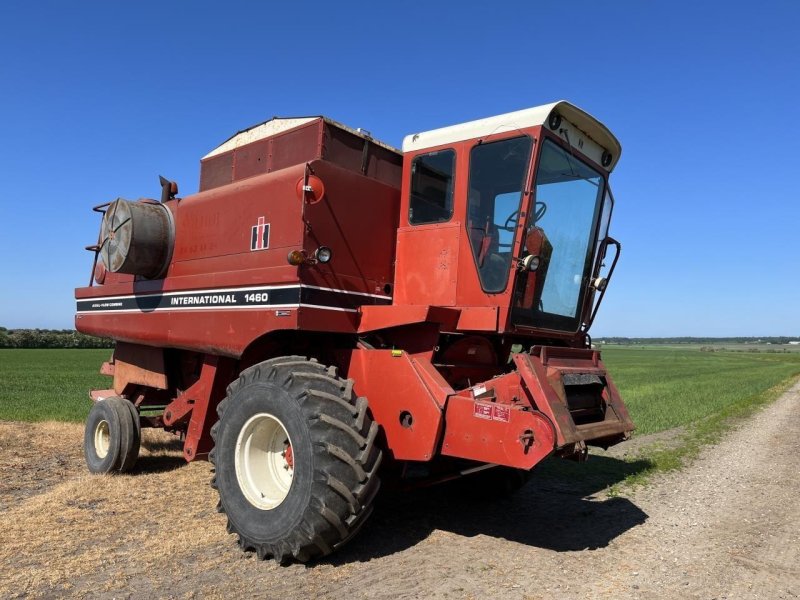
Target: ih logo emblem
(259, 238)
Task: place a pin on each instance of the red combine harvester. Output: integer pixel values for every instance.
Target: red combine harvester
(328, 307)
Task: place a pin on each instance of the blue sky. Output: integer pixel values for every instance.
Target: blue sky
(98, 98)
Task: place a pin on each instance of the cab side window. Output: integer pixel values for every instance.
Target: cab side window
(432, 181)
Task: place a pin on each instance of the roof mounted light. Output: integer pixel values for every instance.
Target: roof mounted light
(605, 160)
(554, 121)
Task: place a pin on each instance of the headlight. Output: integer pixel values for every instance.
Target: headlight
(530, 262)
(600, 283)
(323, 254)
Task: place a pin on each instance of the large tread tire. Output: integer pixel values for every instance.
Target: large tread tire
(335, 459)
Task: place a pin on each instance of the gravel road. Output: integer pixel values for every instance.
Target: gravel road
(728, 526)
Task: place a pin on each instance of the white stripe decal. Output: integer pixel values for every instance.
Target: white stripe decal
(233, 289)
(324, 289)
(266, 307)
(249, 298)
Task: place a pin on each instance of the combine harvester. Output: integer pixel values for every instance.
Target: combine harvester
(328, 310)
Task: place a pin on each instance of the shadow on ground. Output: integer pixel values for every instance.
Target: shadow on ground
(162, 455)
(555, 510)
(158, 464)
(163, 444)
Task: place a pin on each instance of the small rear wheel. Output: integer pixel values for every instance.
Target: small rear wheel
(295, 459)
(112, 436)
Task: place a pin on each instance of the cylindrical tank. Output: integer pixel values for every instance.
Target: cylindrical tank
(137, 238)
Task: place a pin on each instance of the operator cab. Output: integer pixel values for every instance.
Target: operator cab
(513, 212)
(571, 217)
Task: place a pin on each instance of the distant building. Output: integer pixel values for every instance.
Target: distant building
(794, 343)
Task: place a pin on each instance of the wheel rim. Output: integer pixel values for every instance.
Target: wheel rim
(264, 461)
(102, 439)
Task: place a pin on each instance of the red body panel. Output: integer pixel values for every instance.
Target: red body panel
(516, 419)
(395, 388)
(427, 265)
(498, 434)
(212, 252)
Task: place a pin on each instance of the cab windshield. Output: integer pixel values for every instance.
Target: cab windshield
(561, 232)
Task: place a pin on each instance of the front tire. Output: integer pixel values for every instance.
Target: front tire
(295, 459)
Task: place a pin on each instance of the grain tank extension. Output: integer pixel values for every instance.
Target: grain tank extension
(328, 313)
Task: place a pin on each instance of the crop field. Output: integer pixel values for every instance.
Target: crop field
(670, 387)
(49, 385)
(664, 388)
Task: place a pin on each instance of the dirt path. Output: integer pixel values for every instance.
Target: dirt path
(727, 527)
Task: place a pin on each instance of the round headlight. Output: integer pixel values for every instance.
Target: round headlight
(323, 254)
(554, 121)
(531, 262)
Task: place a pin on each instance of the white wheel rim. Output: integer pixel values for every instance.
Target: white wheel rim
(102, 439)
(264, 461)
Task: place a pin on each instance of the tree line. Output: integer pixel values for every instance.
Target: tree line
(697, 340)
(50, 338)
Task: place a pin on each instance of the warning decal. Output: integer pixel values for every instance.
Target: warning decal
(501, 413)
(492, 412)
(482, 411)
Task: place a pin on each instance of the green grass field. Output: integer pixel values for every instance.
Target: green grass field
(42, 385)
(670, 387)
(663, 387)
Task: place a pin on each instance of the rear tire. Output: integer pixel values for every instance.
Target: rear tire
(101, 438)
(129, 449)
(295, 459)
(111, 436)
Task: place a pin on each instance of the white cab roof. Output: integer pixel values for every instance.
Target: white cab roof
(529, 117)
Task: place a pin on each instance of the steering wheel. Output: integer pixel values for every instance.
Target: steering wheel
(511, 222)
(540, 208)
